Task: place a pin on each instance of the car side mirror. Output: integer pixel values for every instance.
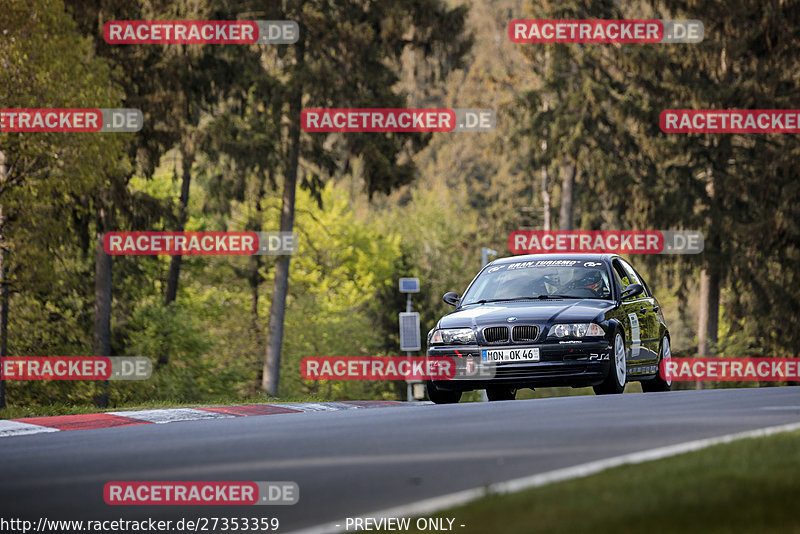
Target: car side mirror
(632, 290)
(451, 298)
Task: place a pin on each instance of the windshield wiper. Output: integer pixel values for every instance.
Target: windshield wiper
(484, 301)
(537, 297)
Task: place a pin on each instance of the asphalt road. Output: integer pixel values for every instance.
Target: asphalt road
(353, 462)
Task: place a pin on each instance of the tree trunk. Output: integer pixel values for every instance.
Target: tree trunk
(710, 279)
(173, 276)
(3, 322)
(3, 290)
(102, 301)
(254, 277)
(567, 181)
(545, 201)
(708, 311)
(3, 300)
(708, 314)
(272, 362)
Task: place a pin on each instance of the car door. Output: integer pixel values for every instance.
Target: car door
(644, 308)
(630, 308)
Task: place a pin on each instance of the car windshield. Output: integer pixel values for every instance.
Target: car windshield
(541, 279)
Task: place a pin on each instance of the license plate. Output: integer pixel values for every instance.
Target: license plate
(510, 355)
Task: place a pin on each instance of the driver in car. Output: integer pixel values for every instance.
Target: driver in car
(592, 281)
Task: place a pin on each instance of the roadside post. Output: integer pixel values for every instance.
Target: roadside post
(485, 251)
(410, 339)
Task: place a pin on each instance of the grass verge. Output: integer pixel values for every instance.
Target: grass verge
(752, 485)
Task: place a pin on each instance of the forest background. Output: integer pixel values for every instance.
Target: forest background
(577, 146)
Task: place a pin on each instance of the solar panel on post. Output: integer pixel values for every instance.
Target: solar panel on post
(409, 285)
(409, 331)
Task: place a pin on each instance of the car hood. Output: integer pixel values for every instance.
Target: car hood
(546, 311)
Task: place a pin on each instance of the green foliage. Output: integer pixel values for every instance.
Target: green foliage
(373, 208)
(45, 62)
(342, 266)
(193, 373)
(597, 105)
(441, 246)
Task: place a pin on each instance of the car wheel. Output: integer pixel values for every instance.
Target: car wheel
(617, 371)
(442, 396)
(501, 393)
(659, 383)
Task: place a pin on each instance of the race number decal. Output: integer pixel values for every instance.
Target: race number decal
(636, 341)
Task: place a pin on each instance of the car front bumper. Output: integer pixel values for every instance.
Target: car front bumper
(576, 364)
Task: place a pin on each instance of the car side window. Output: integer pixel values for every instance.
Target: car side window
(632, 277)
(647, 291)
(622, 278)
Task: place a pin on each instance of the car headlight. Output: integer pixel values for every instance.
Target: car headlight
(576, 330)
(453, 336)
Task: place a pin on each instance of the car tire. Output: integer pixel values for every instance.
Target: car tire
(659, 383)
(617, 371)
(501, 393)
(442, 396)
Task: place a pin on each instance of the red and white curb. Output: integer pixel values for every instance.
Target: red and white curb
(36, 425)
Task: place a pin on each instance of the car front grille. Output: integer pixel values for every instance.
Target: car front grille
(525, 333)
(536, 371)
(496, 334)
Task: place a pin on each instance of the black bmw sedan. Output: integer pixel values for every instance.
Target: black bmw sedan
(551, 320)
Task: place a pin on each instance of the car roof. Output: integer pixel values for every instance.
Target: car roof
(563, 256)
